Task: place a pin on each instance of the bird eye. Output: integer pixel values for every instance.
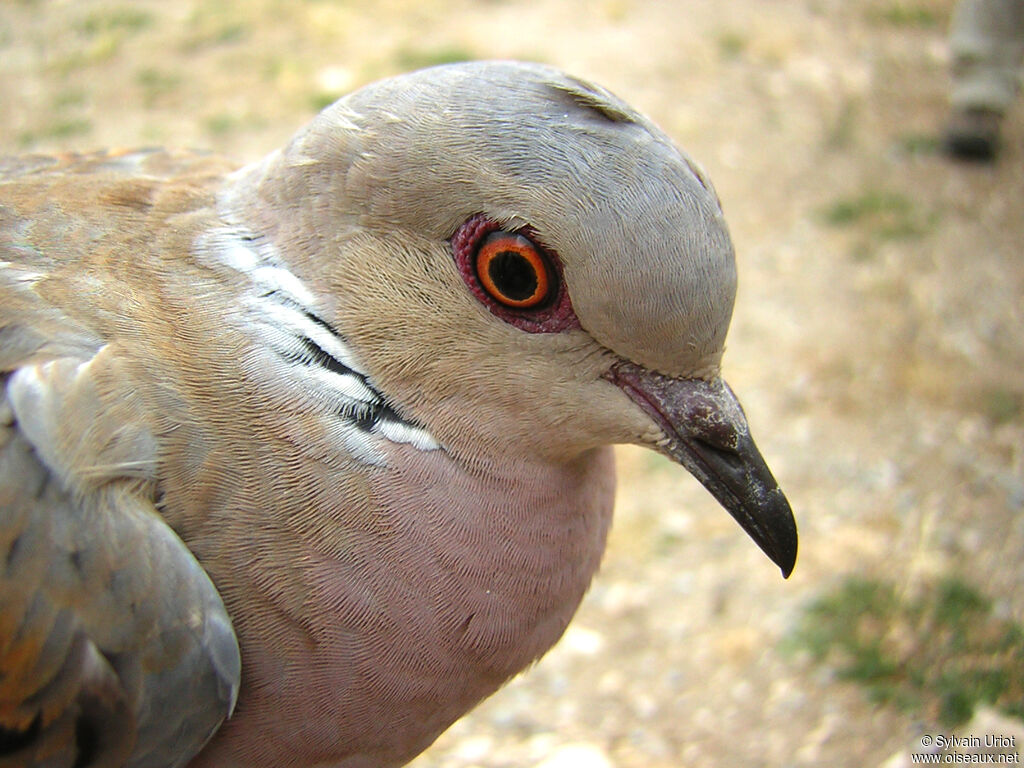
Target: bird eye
(514, 275)
(513, 270)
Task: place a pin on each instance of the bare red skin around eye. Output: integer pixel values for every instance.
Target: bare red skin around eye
(553, 317)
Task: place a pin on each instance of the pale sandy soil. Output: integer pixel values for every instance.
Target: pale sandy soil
(879, 361)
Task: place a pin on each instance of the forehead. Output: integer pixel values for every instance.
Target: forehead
(647, 256)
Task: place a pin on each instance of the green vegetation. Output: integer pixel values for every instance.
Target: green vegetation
(903, 14)
(841, 132)
(938, 654)
(731, 44)
(417, 58)
(70, 98)
(222, 124)
(919, 144)
(214, 24)
(888, 215)
(321, 100)
(1001, 406)
(58, 129)
(125, 19)
(156, 84)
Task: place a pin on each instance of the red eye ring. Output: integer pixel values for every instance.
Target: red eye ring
(551, 314)
(513, 271)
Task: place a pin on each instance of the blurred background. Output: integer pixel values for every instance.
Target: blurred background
(877, 344)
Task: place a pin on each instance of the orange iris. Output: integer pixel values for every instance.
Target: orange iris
(512, 269)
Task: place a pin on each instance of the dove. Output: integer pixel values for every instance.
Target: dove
(301, 460)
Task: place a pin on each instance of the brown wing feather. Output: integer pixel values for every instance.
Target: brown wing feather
(115, 648)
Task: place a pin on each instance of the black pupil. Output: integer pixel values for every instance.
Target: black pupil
(513, 275)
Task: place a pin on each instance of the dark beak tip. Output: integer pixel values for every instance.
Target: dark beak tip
(787, 566)
(785, 542)
(772, 526)
(785, 555)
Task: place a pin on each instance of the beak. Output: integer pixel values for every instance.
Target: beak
(708, 434)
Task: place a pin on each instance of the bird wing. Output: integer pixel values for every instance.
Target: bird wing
(115, 647)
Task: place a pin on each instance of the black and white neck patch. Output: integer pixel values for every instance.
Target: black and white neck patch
(306, 350)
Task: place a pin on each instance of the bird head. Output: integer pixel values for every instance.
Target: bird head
(536, 267)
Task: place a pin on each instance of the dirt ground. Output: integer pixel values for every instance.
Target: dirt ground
(877, 341)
